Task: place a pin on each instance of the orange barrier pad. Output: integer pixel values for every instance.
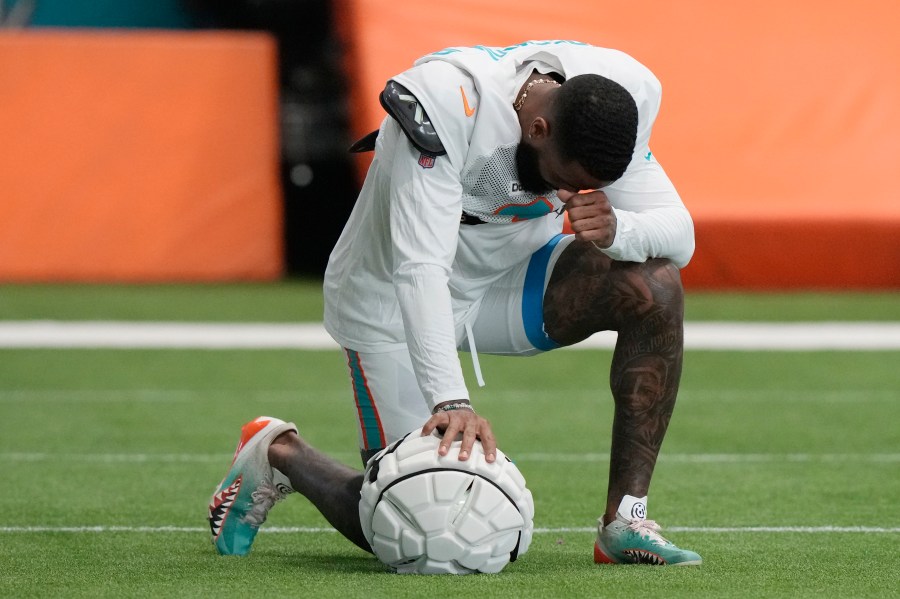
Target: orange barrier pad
(779, 121)
(139, 156)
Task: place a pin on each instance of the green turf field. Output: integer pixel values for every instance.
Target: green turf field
(781, 468)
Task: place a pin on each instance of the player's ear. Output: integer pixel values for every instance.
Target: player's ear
(539, 129)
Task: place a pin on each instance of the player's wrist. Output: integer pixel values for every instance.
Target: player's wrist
(453, 405)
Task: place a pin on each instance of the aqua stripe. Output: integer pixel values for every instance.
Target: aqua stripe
(533, 297)
(368, 416)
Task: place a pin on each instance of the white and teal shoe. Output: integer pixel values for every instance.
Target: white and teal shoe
(632, 539)
(241, 502)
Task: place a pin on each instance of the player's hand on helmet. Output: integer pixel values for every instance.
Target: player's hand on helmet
(591, 216)
(450, 423)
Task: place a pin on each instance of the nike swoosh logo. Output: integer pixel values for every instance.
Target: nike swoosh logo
(469, 111)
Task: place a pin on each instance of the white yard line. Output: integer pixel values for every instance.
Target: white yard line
(751, 336)
(316, 530)
(557, 457)
(162, 335)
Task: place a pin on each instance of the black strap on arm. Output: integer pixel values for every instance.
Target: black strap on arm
(365, 144)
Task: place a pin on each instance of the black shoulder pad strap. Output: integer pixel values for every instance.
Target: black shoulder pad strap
(406, 110)
(365, 144)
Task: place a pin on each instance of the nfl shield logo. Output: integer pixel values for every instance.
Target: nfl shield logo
(426, 160)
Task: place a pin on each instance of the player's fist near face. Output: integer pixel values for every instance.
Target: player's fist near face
(590, 216)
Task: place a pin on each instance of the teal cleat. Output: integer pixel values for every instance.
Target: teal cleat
(636, 540)
(243, 499)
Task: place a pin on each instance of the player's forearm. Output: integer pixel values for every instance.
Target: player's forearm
(662, 233)
(425, 305)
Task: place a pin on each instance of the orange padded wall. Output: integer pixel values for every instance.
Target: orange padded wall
(780, 122)
(138, 156)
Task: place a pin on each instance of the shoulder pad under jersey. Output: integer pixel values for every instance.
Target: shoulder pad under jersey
(409, 113)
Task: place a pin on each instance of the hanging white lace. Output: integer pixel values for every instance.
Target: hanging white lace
(474, 351)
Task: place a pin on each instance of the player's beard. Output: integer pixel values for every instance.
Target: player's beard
(530, 178)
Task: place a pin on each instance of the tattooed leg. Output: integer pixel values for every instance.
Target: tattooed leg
(330, 485)
(587, 293)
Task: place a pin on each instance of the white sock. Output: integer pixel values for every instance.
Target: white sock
(632, 508)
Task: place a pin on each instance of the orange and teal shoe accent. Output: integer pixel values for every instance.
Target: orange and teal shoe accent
(632, 539)
(251, 487)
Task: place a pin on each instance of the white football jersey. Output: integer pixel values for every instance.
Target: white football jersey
(405, 272)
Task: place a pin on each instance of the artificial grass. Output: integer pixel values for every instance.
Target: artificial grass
(138, 439)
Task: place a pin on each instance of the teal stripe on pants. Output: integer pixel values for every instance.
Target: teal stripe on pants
(369, 422)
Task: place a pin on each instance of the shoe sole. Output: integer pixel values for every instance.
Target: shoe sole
(601, 557)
